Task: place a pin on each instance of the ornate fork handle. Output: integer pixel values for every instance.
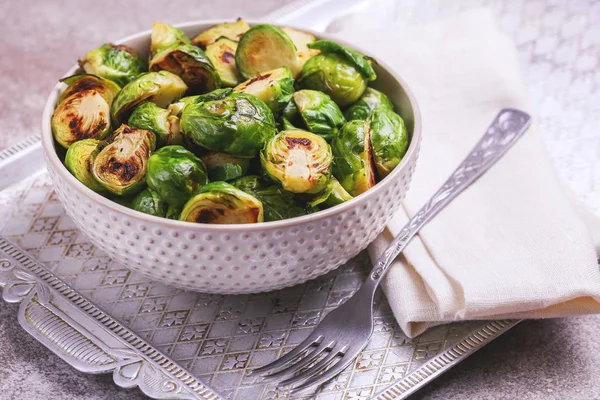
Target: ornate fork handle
(504, 131)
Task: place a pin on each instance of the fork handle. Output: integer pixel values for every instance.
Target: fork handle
(508, 126)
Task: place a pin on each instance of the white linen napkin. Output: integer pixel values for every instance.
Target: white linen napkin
(515, 244)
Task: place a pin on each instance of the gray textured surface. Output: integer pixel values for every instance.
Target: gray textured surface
(557, 359)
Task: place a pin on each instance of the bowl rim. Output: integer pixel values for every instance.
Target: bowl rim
(53, 160)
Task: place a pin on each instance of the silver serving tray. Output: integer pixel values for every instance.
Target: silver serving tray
(100, 317)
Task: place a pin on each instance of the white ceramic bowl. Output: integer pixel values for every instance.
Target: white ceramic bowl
(237, 258)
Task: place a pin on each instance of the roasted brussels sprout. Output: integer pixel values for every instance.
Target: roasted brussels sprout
(299, 160)
(217, 94)
(117, 62)
(319, 113)
(274, 87)
(264, 48)
(333, 195)
(222, 203)
(224, 166)
(175, 173)
(79, 160)
(301, 40)
(352, 164)
(363, 64)
(149, 202)
(82, 115)
(191, 64)
(161, 88)
(80, 82)
(335, 75)
(370, 100)
(222, 55)
(230, 30)
(165, 36)
(122, 165)
(151, 117)
(389, 139)
(277, 203)
(239, 124)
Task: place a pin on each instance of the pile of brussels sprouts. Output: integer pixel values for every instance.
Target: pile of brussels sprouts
(238, 125)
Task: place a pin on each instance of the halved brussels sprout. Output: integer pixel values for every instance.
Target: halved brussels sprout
(370, 100)
(80, 82)
(222, 55)
(230, 30)
(352, 162)
(320, 114)
(335, 75)
(165, 36)
(363, 64)
(389, 139)
(82, 115)
(149, 202)
(217, 94)
(175, 173)
(299, 160)
(79, 160)
(274, 87)
(239, 124)
(224, 166)
(222, 203)
(161, 88)
(263, 48)
(191, 64)
(117, 62)
(333, 195)
(122, 165)
(277, 203)
(301, 40)
(151, 117)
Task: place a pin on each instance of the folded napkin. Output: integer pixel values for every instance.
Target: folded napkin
(515, 244)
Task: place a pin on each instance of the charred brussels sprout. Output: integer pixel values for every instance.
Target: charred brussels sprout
(165, 36)
(222, 55)
(191, 64)
(230, 30)
(78, 83)
(277, 203)
(117, 62)
(319, 113)
(274, 87)
(239, 124)
(80, 159)
(222, 203)
(149, 202)
(175, 173)
(335, 75)
(389, 139)
(352, 164)
(151, 117)
(263, 48)
(122, 165)
(225, 167)
(370, 100)
(301, 41)
(362, 64)
(299, 160)
(83, 115)
(161, 88)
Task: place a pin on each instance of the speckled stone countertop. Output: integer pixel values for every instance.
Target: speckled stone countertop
(39, 40)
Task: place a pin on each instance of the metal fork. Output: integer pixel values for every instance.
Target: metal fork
(345, 331)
